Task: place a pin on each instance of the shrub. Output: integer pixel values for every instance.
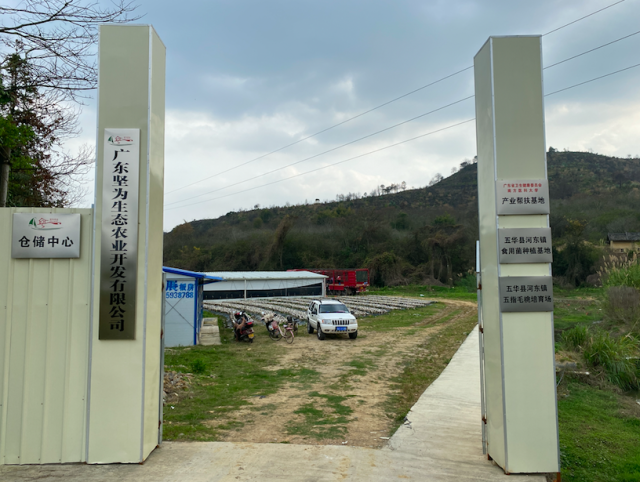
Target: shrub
(621, 271)
(385, 269)
(468, 282)
(575, 262)
(198, 366)
(622, 304)
(617, 356)
(575, 338)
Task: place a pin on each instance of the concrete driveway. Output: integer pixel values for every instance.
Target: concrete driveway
(442, 442)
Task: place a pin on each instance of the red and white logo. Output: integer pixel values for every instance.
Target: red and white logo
(45, 224)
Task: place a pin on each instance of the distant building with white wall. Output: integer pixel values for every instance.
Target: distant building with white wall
(264, 284)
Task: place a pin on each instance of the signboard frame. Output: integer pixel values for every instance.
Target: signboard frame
(45, 235)
(522, 196)
(525, 294)
(524, 245)
(119, 234)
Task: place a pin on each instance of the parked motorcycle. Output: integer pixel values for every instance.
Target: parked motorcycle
(242, 327)
(270, 322)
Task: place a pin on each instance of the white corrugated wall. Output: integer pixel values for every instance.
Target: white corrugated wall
(44, 350)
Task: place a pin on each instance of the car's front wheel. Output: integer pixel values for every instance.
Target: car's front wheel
(353, 335)
(309, 327)
(320, 332)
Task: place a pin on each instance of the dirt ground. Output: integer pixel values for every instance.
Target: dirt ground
(366, 390)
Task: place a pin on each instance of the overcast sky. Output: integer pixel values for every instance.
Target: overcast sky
(247, 77)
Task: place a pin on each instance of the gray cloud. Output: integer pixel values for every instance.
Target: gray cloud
(248, 77)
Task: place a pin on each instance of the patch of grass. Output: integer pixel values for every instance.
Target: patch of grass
(234, 373)
(622, 308)
(457, 292)
(230, 425)
(198, 366)
(569, 312)
(575, 338)
(398, 318)
(335, 402)
(186, 431)
(420, 371)
(598, 443)
(324, 419)
(376, 353)
(360, 366)
(616, 355)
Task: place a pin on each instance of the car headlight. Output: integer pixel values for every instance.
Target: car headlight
(326, 322)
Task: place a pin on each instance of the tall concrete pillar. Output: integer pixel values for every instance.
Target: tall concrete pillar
(124, 396)
(515, 241)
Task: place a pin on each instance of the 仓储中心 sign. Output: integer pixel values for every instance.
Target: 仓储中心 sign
(524, 245)
(525, 293)
(45, 235)
(522, 197)
(119, 238)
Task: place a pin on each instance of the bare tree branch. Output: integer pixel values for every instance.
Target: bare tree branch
(57, 39)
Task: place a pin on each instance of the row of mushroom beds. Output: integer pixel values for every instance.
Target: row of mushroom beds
(279, 308)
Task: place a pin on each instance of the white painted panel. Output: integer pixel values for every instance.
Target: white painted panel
(123, 405)
(44, 325)
(180, 311)
(519, 377)
(489, 255)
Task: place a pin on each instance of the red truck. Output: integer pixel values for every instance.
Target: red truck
(343, 281)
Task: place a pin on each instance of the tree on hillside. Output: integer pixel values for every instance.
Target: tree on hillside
(274, 256)
(446, 246)
(436, 179)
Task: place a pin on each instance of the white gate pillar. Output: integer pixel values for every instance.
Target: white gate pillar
(123, 406)
(517, 292)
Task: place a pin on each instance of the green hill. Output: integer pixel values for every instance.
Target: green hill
(414, 235)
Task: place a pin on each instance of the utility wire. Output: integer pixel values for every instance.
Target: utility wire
(582, 18)
(328, 128)
(334, 164)
(327, 151)
(593, 50)
(372, 109)
(592, 80)
(383, 130)
(390, 145)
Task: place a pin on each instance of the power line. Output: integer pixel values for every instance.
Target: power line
(331, 165)
(327, 151)
(389, 146)
(597, 78)
(380, 131)
(593, 50)
(373, 109)
(582, 18)
(328, 128)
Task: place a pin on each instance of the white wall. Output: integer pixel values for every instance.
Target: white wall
(44, 350)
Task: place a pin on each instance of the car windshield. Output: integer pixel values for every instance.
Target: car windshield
(334, 308)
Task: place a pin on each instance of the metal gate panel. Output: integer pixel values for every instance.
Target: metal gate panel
(44, 328)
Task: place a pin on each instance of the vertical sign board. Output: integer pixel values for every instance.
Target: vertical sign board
(45, 235)
(520, 417)
(122, 416)
(119, 256)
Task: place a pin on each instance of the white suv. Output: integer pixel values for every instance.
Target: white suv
(330, 316)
